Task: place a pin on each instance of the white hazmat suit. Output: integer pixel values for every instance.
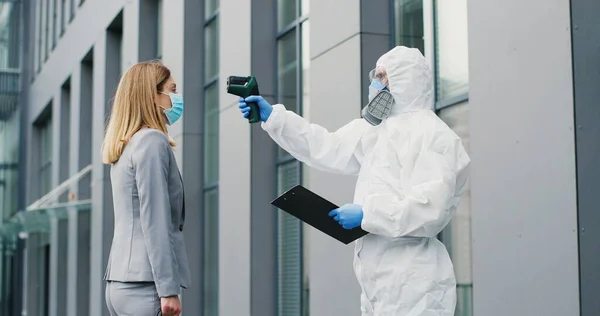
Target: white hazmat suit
(412, 171)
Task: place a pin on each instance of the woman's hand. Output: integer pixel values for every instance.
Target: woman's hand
(170, 306)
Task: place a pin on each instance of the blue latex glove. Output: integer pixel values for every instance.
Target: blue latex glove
(349, 216)
(264, 107)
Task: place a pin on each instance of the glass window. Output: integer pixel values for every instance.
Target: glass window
(287, 74)
(211, 135)
(210, 8)
(409, 24)
(72, 14)
(9, 155)
(305, 65)
(211, 254)
(287, 71)
(45, 157)
(54, 20)
(46, 29)
(211, 50)
(38, 18)
(292, 91)
(211, 159)
(289, 247)
(63, 16)
(286, 13)
(451, 43)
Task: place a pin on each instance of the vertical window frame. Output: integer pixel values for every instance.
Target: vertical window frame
(286, 159)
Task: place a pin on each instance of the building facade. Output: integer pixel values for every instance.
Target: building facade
(524, 241)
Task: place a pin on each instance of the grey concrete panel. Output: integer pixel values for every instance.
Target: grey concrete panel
(192, 163)
(523, 189)
(333, 22)
(330, 262)
(234, 214)
(375, 17)
(263, 216)
(172, 43)
(192, 298)
(234, 163)
(585, 23)
(234, 55)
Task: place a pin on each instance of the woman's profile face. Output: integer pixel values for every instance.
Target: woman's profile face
(162, 99)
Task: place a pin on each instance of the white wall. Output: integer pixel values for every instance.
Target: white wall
(523, 163)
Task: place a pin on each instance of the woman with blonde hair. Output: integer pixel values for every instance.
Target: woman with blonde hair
(148, 264)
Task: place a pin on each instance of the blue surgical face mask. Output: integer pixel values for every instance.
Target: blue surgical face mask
(375, 87)
(376, 83)
(176, 111)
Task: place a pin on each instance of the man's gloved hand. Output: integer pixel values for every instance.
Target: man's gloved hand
(349, 216)
(264, 107)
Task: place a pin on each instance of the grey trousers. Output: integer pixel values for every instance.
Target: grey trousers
(132, 299)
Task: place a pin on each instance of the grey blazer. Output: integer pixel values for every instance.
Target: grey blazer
(149, 209)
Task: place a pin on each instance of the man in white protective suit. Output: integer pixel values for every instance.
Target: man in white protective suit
(412, 170)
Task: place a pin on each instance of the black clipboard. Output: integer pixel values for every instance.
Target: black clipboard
(314, 210)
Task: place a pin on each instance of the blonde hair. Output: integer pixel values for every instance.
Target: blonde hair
(134, 107)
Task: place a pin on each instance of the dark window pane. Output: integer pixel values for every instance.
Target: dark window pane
(210, 6)
(63, 16)
(286, 13)
(72, 14)
(289, 248)
(211, 252)
(409, 24)
(287, 74)
(211, 135)
(54, 20)
(211, 50)
(287, 68)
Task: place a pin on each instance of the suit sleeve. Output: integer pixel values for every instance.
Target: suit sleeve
(151, 163)
(434, 189)
(336, 152)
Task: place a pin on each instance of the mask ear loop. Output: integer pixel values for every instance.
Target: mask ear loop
(160, 106)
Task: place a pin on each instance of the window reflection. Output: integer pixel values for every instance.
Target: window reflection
(409, 24)
(452, 55)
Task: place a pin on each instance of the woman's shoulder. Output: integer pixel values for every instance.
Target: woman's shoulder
(149, 136)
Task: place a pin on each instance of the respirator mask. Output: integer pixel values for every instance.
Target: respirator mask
(381, 100)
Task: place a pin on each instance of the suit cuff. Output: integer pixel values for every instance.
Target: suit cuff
(167, 290)
(274, 119)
